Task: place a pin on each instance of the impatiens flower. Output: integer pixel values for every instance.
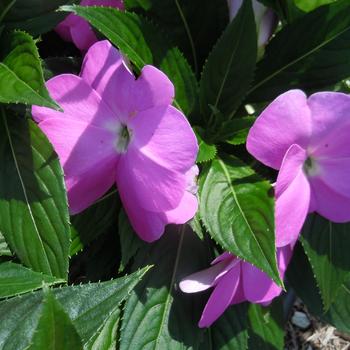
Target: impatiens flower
(265, 18)
(307, 140)
(75, 29)
(118, 129)
(234, 281)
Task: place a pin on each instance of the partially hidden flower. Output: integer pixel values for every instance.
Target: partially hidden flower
(307, 140)
(265, 18)
(234, 281)
(75, 29)
(118, 129)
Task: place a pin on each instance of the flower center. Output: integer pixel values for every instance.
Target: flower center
(311, 167)
(124, 136)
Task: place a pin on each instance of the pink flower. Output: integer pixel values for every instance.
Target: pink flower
(116, 128)
(307, 140)
(75, 29)
(234, 281)
(265, 18)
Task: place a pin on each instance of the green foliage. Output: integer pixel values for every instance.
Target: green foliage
(4, 249)
(156, 314)
(320, 59)
(238, 211)
(206, 151)
(21, 76)
(33, 205)
(309, 5)
(229, 70)
(89, 307)
(16, 279)
(55, 330)
(142, 43)
(323, 242)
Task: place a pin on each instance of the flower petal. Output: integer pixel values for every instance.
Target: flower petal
(329, 203)
(78, 100)
(164, 135)
(330, 124)
(293, 191)
(83, 36)
(88, 158)
(221, 297)
(284, 122)
(202, 280)
(185, 211)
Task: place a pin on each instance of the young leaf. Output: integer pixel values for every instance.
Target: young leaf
(55, 330)
(320, 59)
(157, 314)
(238, 211)
(21, 76)
(33, 205)
(230, 67)
(4, 249)
(88, 306)
(323, 242)
(206, 151)
(16, 279)
(142, 43)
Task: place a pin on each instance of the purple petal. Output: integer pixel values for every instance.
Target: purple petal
(202, 280)
(284, 122)
(185, 211)
(329, 203)
(88, 158)
(293, 191)
(164, 135)
(221, 297)
(83, 36)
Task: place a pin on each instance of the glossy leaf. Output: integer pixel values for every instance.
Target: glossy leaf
(238, 211)
(143, 44)
(157, 315)
(21, 76)
(88, 306)
(33, 206)
(319, 60)
(323, 242)
(16, 279)
(55, 330)
(229, 69)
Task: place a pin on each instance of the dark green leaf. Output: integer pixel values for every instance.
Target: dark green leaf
(55, 330)
(129, 241)
(320, 59)
(16, 279)
(206, 151)
(33, 206)
(89, 307)
(230, 330)
(266, 331)
(325, 245)
(142, 43)
(237, 208)
(93, 222)
(21, 76)
(230, 67)
(157, 314)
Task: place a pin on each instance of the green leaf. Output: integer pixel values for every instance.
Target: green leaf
(16, 279)
(238, 211)
(323, 242)
(4, 249)
(55, 330)
(266, 330)
(157, 314)
(230, 67)
(206, 151)
(319, 60)
(33, 205)
(142, 43)
(35, 16)
(94, 221)
(230, 330)
(106, 339)
(89, 307)
(129, 240)
(21, 76)
(309, 5)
